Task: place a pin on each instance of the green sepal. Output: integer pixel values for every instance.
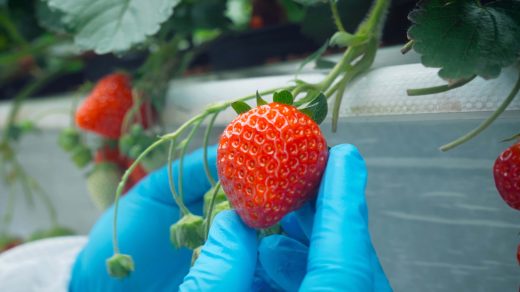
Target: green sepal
(221, 197)
(259, 100)
(120, 265)
(53, 232)
(275, 229)
(240, 107)
(317, 109)
(81, 155)
(68, 139)
(345, 39)
(222, 206)
(188, 232)
(284, 97)
(314, 56)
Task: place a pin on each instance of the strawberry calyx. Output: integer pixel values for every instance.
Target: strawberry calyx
(120, 265)
(187, 232)
(316, 105)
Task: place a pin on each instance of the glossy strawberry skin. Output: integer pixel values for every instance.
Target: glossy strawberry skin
(506, 172)
(270, 161)
(103, 111)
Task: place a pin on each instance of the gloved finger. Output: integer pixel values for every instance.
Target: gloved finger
(262, 282)
(298, 224)
(284, 260)
(340, 253)
(227, 260)
(195, 182)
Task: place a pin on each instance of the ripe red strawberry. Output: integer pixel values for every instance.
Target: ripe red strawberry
(104, 109)
(270, 162)
(507, 175)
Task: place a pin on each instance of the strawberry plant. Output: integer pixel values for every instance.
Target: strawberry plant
(270, 158)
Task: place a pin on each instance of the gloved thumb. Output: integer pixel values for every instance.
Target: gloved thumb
(227, 260)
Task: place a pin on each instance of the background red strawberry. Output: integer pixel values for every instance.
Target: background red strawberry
(104, 109)
(507, 175)
(270, 161)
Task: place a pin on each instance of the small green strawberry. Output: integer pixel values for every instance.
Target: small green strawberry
(102, 184)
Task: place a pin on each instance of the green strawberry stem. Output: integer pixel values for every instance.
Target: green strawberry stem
(205, 148)
(440, 88)
(487, 122)
(210, 210)
(29, 89)
(10, 28)
(407, 47)
(370, 28)
(178, 200)
(122, 183)
(46, 200)
(212, 109)
(185, 144)
(357, 69)
(335, 15)
(8, 215)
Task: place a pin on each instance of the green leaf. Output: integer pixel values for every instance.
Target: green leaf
(295, 12)
(51, 19)
(310, 2)
(314, 56)
(114, 25)
(466, 38)
(317, 109)
(239, 12)
(284, 97)
(345, 39)
(240, 107)
(259, 100)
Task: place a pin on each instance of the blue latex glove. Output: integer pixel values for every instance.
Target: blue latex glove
(145, 216)
(340, 257)
(329, 249)
(227, 261)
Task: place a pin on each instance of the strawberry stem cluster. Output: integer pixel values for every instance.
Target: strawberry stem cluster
(357, 58)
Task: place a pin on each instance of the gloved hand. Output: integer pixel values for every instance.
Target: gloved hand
(145, 216)
(330, 248)
(227, 260)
